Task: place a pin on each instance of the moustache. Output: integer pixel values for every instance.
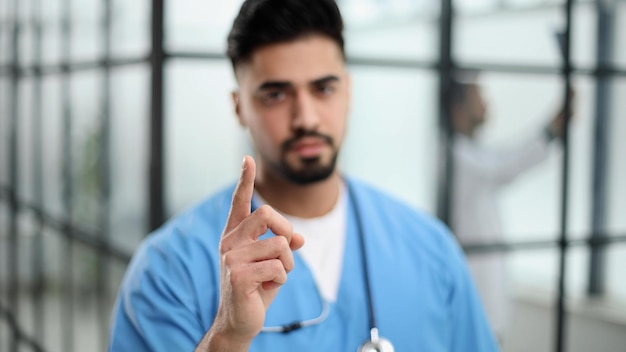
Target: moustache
(307, 134)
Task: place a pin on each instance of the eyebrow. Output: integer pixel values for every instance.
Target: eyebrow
(285, 84)
(326, 79)
(274, 85)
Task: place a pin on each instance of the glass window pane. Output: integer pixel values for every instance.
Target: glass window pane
(52, 141)
(615, 264)
(577, 274)
(86, 28)
(26, 139)
(26, 230)
(511, 37)
(584, 34)
(54, 243)
(5, 42)
(510, 190)
(524, 37)
(598, 324)
(51, 31)
(391, 29)
(204, 144)
(5, 34)
(86, 142)
(4, 244)
(393, 127)
(130, 27)
(530, 284)
(85, 312)
(475, 6)
(616, 188)
(26, 34)
(197, 24)
(129, 155)
(619, 33)
(581, 158)
(533, 289)
(5, 129)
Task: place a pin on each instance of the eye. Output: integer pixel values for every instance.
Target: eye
(273, 97)
(325, 89)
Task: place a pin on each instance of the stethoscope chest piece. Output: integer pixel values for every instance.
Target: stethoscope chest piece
(376, 343)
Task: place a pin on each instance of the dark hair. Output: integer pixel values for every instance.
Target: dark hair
(264, 22)
(461, 82)
(458, 91)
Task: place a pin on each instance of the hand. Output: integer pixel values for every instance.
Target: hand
(251, 270)
(557, 125)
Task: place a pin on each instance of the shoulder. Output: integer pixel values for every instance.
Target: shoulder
(203, 221)
(418, 231)
(188, 240)
(391, 209)
(413, 230)
(400, 231)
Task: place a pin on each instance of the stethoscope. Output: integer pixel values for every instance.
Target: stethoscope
(376, 343)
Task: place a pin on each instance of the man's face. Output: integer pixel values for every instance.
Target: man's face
(294, 98)
(476, 106)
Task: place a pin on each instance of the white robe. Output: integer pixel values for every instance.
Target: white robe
(479, 173)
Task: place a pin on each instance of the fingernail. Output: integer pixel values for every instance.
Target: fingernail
(243, 164)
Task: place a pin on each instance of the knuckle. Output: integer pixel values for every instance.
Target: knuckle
(265, 211)
(289, 265)
(277, 244)
(281, 242)
(235, 276)
(228, 259)
(224, 246)
(276, 265)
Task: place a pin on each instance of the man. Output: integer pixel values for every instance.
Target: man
(234, 274)
(479, 174)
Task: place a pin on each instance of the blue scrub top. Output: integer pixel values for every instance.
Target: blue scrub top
(423, 296)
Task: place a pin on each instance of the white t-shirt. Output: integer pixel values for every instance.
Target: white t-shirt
(324, 244)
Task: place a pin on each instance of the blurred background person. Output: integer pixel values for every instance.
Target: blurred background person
(479, 174)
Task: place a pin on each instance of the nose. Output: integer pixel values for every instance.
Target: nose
(305, 115)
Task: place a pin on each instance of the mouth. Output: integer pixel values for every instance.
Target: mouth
(308, 147)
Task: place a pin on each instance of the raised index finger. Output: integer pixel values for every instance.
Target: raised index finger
(242, 197)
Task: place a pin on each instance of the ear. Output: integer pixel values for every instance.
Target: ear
(236, 104)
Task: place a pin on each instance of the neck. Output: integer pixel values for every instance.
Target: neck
(305, 201)
(465, 128)
(469, 133)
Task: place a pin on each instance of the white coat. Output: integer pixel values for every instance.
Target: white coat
(479, 173)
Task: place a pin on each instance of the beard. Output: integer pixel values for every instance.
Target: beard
(304, 171)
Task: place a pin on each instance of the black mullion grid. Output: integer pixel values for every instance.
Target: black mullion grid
(503, 247)
(155, 199)
(67, 316)
(497, 68)
(74, 66)
(7, 315)
(446, 70)
(560, 312)
(37, 252)
(607, 69)
(88, 237)
(103, 267)
(604, 37)
(13, 245)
